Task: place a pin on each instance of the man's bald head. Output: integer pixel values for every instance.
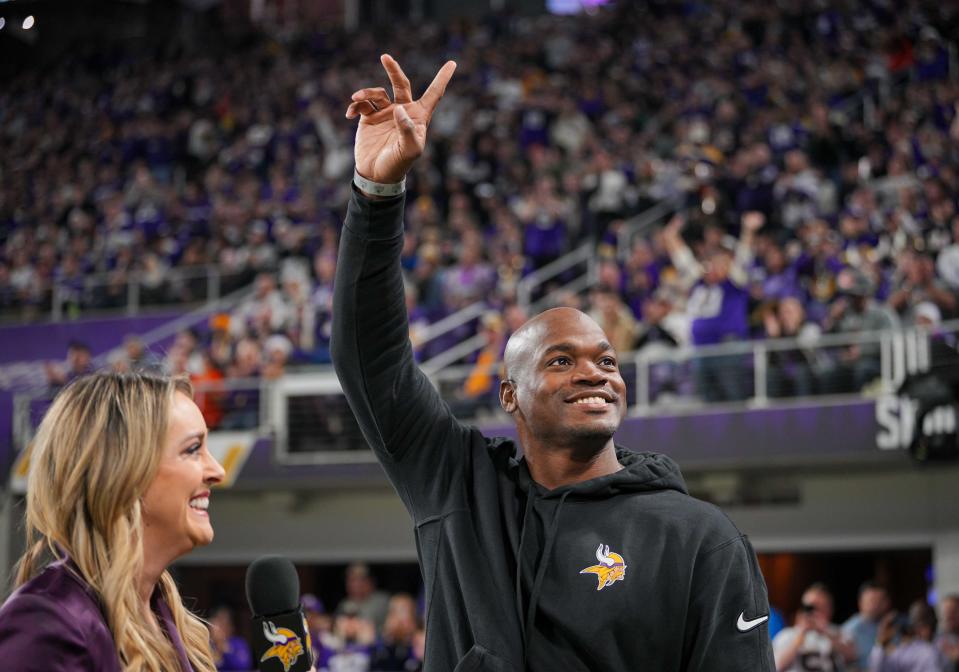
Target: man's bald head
(522, 345)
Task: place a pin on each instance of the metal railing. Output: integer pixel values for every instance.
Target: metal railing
(586, 254)
(641, 224)
(452, 355)
(95, 293)
(451, 322)
(310, 421)
(189, 319)
(751, 373)
(756, 372)
(526, 288)
(179, 285)
(30, 376)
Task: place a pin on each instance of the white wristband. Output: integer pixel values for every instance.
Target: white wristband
(378, 188)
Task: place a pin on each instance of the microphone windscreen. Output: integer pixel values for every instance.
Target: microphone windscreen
(272, 586)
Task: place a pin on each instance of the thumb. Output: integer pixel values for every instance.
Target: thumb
(409, 144)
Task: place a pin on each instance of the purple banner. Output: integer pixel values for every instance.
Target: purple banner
(791, 435)
(30, 342)
(33, 342)
(799, 434)
(861, 431)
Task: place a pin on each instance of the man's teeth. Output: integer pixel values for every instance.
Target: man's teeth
(591, 400)
(202, 503)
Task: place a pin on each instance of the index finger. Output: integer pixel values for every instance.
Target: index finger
(438, 87)
(401, 84)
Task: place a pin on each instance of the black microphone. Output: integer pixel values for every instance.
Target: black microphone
(281, 639)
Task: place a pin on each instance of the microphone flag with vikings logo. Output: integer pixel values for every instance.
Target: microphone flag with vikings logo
(281, 639)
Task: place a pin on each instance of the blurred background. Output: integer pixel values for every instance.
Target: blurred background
(756, 200)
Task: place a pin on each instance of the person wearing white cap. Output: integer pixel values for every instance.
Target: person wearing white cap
(947, 263)
(927, 314)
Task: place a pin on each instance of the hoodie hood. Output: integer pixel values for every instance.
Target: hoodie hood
(641, 472)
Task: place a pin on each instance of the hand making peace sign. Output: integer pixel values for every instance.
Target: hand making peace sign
(392, 134)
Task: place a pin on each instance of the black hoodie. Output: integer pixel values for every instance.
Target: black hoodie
(623, 572)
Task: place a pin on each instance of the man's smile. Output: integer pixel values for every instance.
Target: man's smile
(593, 400)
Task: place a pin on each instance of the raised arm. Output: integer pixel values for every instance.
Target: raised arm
(680, 255)
(752, 222)
(402, 417)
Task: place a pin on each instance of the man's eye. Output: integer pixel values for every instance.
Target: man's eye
(608, 361)
(562, 361)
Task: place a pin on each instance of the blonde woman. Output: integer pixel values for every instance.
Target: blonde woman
(119, 489)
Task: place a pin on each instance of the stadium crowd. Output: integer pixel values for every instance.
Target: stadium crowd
(371, 630)
(874, 639)
(813, 149)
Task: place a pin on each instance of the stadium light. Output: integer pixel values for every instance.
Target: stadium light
(28, 22)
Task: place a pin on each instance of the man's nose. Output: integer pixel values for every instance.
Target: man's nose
(589, 373)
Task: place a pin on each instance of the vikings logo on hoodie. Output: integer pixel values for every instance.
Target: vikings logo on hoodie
(612, 567)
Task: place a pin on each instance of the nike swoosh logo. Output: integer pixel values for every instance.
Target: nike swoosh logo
(745, 626)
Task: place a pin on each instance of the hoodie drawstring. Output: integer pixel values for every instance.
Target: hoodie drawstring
(519, 565)
(544, 563)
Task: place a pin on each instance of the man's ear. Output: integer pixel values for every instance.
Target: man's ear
(507, 395)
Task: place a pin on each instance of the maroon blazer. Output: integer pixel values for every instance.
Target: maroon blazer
(54, 623)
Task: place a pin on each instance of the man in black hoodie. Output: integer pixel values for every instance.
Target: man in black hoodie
(577, 555)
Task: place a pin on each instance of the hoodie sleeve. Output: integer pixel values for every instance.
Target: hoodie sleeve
(727, 628)
(406, 423)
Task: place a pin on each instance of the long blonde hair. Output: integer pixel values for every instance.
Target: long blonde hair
(97, 450)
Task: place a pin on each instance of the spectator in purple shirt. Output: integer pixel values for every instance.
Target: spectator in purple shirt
(948, 638)
(914, 650)
(231, 652)
(119, 488)
(792, 371)
(542, 214)
(780, 279)
(394, 650)
(717, 304)
(356, 636)
(320, 625)
(469, 280)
